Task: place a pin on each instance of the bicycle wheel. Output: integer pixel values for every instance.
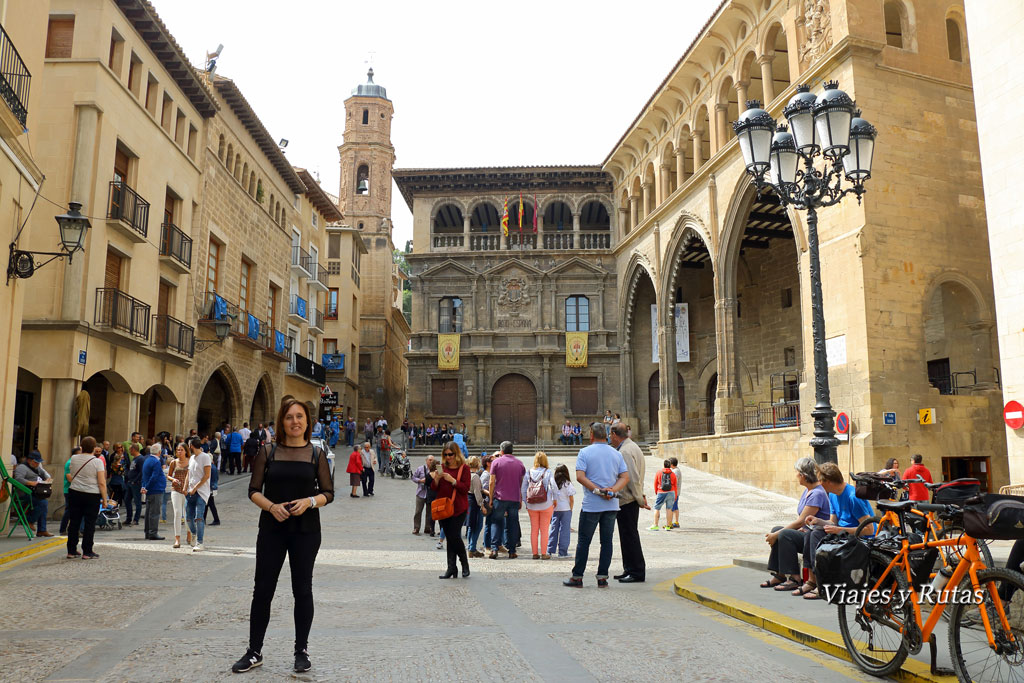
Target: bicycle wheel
(872, 629)
(867, 522)
(957, 531)
(973, 658)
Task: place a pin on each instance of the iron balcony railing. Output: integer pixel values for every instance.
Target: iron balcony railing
(771, 416)
(14, 78)
(128, 207)
(299, 307)
(309, 369)
(302, 259)
(228, 311)
(699, 426)
(321, 274)
(316, 319)
(176, 244)
(174, 335)
(119, 311)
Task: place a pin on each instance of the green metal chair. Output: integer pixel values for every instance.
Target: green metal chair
(13, 488)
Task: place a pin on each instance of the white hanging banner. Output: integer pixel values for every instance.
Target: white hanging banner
(682, 333)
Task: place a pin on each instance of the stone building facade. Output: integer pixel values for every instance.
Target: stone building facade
(711, 279)
(512, 298)
(367, 157)
(996, 71)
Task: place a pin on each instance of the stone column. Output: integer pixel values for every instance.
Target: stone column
(546, 390)
(624, 222)
(576, 243)
(71, 305)
(670, 425)
(626, 368)
(666, 174)
(729, 399)
(767, 84)
(721, 110)
(465, 232)
(646, 189)
(680, 167)
(741, 95)
(634, 212)
(698, 152)
(482, 432)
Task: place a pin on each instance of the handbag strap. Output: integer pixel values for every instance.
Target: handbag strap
(75, 475)
(457, 478)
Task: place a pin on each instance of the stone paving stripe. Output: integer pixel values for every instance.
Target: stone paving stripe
(549, 659)
(812, 636)
(32, 550)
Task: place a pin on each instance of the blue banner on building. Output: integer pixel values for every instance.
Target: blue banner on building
(254, 327)
(278, 342)
(220, 307)
(333, 361)
(300, 307)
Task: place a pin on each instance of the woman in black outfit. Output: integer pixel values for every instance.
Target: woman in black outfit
(289, 482)
(453, 475)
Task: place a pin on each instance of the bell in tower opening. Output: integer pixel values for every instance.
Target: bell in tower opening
(363, 180)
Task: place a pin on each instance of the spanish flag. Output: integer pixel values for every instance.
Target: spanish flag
(504, 219)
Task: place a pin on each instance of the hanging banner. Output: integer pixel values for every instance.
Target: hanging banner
(575, 349)
(447, 352)
(682, 333)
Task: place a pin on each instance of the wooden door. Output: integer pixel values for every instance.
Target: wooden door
(112, 271)
(514, 410)
(163, 309)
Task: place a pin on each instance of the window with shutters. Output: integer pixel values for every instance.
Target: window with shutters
(334, 246)
(272, 306)
(135, 74)
(59, 37)
(116, 52)
(444, 396)
(112, 271)
(330, 346)
(449, 315)
(583, 395)
(213, 267)
(365, 364)
(243, 286)
(577, 314)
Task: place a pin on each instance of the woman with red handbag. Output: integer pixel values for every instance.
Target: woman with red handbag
(451, 481)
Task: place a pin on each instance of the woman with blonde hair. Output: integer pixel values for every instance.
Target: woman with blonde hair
(538, 492)
(474, 519)
(177, 477)
(453, 479)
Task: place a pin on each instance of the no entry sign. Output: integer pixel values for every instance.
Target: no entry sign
(1013, 415)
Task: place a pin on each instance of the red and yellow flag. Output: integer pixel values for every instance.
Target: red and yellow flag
(504, 219)
(520, 212)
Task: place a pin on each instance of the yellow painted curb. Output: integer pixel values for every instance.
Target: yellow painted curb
(33, 549)
(812, 636)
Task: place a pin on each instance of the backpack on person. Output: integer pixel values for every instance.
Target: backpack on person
(537, 491)
(666, 481)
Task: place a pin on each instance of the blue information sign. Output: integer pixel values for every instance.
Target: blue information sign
(889, 418)
(81, 357)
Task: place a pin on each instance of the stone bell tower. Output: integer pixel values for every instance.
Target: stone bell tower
(367, 158)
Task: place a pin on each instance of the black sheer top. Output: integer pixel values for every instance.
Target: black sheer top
(291, 474)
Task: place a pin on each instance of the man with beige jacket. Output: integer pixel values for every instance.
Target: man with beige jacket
(631, 499)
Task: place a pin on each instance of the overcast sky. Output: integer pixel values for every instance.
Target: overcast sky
(473, 83)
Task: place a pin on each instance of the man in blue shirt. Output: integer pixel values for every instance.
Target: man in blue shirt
(154, 485)
(848, 511)
(234, 443)
(602, 473)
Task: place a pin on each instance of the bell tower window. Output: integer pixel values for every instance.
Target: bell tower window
(363, 180)
(366, 116)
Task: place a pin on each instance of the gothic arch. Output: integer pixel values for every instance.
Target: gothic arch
(984, 313)
(230, 380)
(687, 226)
(638, 265)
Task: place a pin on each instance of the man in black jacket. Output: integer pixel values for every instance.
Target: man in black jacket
(133, 480)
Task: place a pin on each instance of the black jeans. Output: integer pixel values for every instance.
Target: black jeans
(271, 547)
(82, 507)
(453, 542)
(367, 480)
(812, 539)
(633, 562)
(211, 506)
(589, 522)
(785, 554)
(234, 463)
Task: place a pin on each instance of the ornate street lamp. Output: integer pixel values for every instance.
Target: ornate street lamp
(221, 328)
(828, 127)
(22, 264)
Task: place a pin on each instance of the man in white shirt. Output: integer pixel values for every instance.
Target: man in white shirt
(197, 491)
(245, 432)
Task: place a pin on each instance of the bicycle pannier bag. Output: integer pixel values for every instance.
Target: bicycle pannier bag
(996, 517)
(956, 492)
(841, 561)
(872, 486)
(536, 491)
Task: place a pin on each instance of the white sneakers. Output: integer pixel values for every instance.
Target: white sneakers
(197, 548)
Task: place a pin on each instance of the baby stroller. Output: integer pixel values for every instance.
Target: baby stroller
(399, 464)
(109, 517)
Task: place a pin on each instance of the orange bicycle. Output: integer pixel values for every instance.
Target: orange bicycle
(881, 624)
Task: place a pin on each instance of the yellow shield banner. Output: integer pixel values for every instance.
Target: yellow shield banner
(447, 352)
(575, 349)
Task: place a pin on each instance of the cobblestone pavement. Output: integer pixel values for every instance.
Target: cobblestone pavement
(147, 612)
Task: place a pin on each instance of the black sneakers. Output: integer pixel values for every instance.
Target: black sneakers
(250, 660)
(302, 661)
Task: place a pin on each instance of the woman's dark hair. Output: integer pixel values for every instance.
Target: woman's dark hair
(286, 404)
(890, 462)
(561, 476)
